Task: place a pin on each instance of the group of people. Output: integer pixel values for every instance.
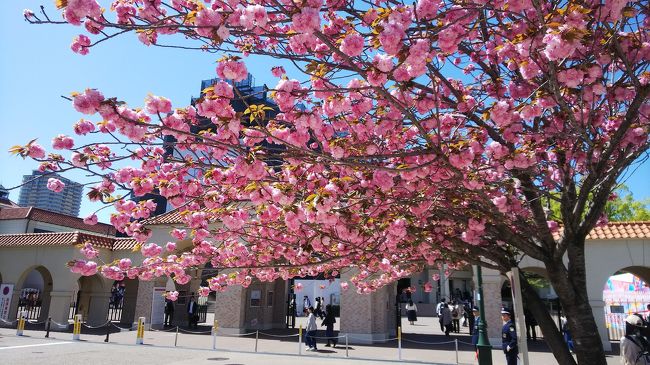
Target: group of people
(192, 312)
(318, 306)
(327, 321)
(453, 315)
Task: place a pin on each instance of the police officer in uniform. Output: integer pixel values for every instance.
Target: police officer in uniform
(475, 332)
(509, 338)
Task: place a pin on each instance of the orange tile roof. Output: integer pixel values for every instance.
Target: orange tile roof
(65, 239)
(621, 230)
(45, 216)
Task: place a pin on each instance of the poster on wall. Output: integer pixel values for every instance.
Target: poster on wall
(158, 305)
(6, 292)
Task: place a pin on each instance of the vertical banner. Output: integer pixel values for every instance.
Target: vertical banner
(518, 309)
(158, 305)
(6, 292)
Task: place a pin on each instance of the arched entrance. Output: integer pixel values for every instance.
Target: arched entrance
(624, 293)
(35, 287)
(91, 300)
(123, 300)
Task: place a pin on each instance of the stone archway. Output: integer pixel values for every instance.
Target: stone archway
(625, 291)
(33, 293)
(93, 299)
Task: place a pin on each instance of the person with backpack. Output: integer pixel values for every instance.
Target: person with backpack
(455, 316)
(634, 346)
(328, 322)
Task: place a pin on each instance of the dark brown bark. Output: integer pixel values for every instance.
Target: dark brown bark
(571, 288)
(552, 334)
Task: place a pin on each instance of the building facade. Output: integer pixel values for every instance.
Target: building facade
(34, 193)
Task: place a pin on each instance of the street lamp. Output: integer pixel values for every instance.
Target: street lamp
(484, 347)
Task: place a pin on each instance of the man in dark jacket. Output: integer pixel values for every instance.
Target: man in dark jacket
(509, 338)
(192, 315)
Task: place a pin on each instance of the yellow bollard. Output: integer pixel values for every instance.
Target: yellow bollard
(76, 329)
(139, 340)
(215, 328)
(300, 340)
(21, 324)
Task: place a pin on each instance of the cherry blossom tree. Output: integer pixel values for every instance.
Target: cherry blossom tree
(406, 134)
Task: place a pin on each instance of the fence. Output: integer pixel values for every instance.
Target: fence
(78, 327)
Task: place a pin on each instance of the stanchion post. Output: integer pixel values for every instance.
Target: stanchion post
(300, 340)
(76, 329)
(456, 344)
(176, 338)
(399, 343)
(48, 324)
(257, 337)
(108, 330)
(215, 327)
(20, 327)
(346, 346)
(139, 340)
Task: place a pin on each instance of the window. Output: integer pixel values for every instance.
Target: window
(256, 298)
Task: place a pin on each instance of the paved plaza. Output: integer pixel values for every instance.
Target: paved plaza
(422, 343)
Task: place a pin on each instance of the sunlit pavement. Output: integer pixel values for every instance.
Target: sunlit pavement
(421, 343)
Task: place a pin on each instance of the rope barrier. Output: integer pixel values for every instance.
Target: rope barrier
(95, 327)
(366, 340)
(194, 332)
(8, 322)
(35, 322)
(235, 334)
(466, 343)
(326, 337)
(123, 328)
(169, 330)
(279, 336)
(61, 324)
(428, 343)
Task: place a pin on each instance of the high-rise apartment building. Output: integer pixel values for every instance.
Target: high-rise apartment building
(34, 193)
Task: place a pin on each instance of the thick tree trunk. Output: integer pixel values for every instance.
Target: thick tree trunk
(571, 288)
(552, 334)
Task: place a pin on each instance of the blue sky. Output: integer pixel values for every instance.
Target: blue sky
(37, 67)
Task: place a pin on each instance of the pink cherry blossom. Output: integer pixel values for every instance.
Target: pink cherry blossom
(81, 45)
(62, 142)
(55, 185)
(232, 70)
(91, 219)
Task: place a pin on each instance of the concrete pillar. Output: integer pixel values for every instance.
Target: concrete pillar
(98, 308)
(45, 305)
(492, 282)
(59, 308)
(367, 318)
(144, 301)
(230, 310)
(13, 309)
(444, 284)
(598, 309)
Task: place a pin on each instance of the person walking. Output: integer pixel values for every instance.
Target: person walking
(445, 314)
(531, 324)
(310, 339)
(439, 313)
(328, 322)
(474, 329)
(471, 319)
(169, 312)
(509, 338)
(192, 315)
(411, 312)
(455, 316)
(306, 303)
(634, 346)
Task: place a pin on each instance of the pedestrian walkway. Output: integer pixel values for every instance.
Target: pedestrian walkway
(416, 347)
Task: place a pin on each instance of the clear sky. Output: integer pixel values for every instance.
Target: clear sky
(37, 67)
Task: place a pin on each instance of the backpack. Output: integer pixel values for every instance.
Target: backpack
(454, 313)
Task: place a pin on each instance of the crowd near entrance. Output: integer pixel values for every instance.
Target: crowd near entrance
(624, 293)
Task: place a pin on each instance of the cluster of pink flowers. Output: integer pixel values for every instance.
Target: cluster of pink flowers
(55, 185)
